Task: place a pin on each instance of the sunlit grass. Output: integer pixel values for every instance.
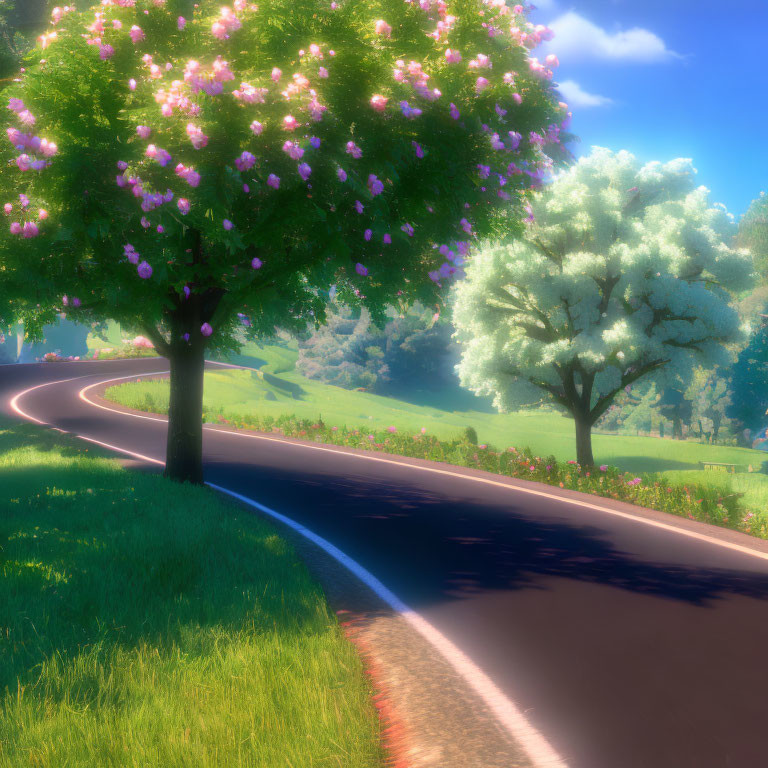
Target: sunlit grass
(243, 395)
(144, 623)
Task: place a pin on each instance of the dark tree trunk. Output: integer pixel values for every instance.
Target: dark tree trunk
(584, 441)
(184, 454)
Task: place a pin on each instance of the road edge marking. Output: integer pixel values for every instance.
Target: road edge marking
(531, 491)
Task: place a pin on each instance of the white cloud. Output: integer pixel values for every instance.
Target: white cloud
(576, 96)
(577, 37)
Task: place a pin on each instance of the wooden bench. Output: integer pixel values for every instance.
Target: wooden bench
(718, 465)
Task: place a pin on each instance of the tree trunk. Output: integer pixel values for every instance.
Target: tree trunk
(584, 441)
(184, 454)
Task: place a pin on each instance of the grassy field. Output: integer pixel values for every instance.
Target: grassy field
(277, 389)
(148, 624)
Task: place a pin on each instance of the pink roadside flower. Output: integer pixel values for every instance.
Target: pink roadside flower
(354, 150)
(106, 52)
(42, 214)
(273, 181)
(137, 34)
(144, 270)
(8, 207)
(206, 329)
(144, 131)
(481, 84)
(16, 228)
(304, 171)
(379, 103)
(293, 150)
(181, 22)
(454, 112)
(342, 174)
(276, 74)
(289, 123)
(132, 84)
(16, 105)
(382, 28)
(196, 136)
(454, 57)
(322, 72)
(183, 205)
(387, 238)
(257, 127)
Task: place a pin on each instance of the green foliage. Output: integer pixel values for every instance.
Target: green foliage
(470, 435)
(307, 234)
(749, 384)
(753, 235)
(411, 352)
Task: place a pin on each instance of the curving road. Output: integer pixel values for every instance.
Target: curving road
(630, 640)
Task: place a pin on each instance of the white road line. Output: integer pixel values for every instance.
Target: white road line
(544, 494)
(509, 715)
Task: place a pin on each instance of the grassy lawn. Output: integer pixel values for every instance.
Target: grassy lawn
(277, 389)
(148, 624)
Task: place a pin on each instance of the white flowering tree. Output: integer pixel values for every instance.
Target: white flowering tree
(625, 272)
(184, 168)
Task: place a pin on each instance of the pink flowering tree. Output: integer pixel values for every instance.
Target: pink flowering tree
(191, 170)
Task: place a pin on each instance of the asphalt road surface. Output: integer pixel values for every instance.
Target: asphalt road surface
(626, 645)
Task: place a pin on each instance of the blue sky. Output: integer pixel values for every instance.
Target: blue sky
(668, 78)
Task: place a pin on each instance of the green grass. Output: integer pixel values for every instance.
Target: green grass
(148, 624)
(237, 394)
(754, 486)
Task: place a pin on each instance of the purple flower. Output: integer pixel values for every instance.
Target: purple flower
(206, 329)
(342, 174)
(360, 269)
(144, 270)
(315, 142)
(256, 263)
(304, 171)
(368, 233)
(227, 224)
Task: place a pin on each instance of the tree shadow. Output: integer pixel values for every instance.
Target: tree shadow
(430, 544)
(642, 464)
(98, 560)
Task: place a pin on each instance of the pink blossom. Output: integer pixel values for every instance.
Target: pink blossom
(359, 206)
(342, 174)
(273, 181)
(454, 57)
(144, 131)
(181, 22)
(256, 263)
(206, 329)
(417, 148)
(8, 207)
(26, 117)
(48, 148)
(137, 34)
(552, 61)
(481, 84)
(454, 112)
(322, 72)
(24, 162)
(276, 74)
(379, 103)
(196, 136)
(304, 171)
(354, 150)
(105, 52)
(293, 150)
(16, 105)
(382, 28)
(42, 214)
(289, 123)
(183, 205)
(387, 238)
(15, 228)
(29, 229)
